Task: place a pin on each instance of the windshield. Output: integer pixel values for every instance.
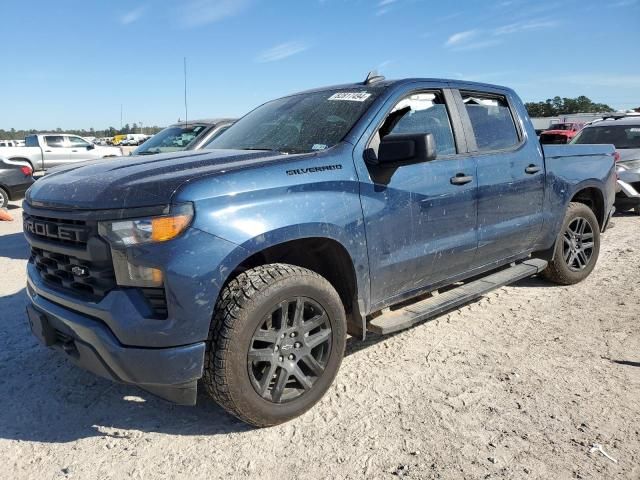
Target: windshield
(299, 124)
(621, 136)
(171, 139)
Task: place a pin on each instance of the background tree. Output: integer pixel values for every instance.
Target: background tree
(555, 106)
(14, 134)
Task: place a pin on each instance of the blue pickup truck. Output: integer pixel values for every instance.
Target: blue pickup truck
(358, 208)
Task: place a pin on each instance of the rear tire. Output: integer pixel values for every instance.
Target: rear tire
(577, 247)
(275, 344)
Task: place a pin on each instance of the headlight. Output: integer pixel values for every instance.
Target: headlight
(125, 233)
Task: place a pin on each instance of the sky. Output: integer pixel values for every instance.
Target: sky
(72, 64)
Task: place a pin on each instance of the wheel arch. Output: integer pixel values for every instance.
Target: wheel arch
(323, 255)
(594, 198)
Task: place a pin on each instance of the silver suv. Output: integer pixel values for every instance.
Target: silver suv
(623, 131)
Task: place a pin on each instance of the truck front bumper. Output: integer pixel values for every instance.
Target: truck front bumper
(168, 372)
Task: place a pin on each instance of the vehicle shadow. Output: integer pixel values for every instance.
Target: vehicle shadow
(45, 398)
(14, 246)
(628, 363)
(536, 281)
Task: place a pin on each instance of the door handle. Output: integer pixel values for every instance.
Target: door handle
(74, 150)
(47, 151)
(531, 169)
(461, 179)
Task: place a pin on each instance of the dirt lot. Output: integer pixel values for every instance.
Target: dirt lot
(517, 385)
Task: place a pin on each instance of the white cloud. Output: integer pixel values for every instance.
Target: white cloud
(476, 38)
(196, 13)
(461, 38)
(525, 26)
(281, 51)
(383, 3)
(132, 15)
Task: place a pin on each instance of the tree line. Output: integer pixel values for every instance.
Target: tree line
(14, 134)
(555, 106)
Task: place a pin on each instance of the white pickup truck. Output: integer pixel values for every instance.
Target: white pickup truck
(48, 150)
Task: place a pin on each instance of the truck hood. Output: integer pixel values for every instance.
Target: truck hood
(139, 181)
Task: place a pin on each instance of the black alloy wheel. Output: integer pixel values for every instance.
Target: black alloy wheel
(290, 350)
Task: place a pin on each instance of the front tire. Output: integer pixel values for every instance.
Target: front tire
(577, 246)
(275, 344)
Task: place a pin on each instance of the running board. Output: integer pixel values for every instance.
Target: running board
(394, 320)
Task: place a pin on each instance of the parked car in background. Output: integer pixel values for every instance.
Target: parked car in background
(15, 179)
(133, 139)
(8, 143)
(184, 136)
(116, 139)
(335, 210)
(623, 132)
(48, 150)
(560, 133)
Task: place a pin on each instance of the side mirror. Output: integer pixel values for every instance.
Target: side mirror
(91, 146)
(403, 149)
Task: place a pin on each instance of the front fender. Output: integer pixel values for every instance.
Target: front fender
(266, 219)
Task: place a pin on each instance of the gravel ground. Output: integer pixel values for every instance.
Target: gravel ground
(519, 384)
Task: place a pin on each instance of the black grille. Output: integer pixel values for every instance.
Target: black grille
(157, 301)
(57, 230)
(79, 276)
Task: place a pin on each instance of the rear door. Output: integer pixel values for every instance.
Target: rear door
(420, 219)
(510, 174)
(55, 150)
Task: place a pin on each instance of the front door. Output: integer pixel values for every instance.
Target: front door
(420, 219)
(80, 149)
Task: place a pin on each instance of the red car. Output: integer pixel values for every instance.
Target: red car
(560, 133)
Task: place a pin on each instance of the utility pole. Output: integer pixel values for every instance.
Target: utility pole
(186, 109)
(121, 117)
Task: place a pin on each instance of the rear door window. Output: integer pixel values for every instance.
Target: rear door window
(491, 120)
(55, 141)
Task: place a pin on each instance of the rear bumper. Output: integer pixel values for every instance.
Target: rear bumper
(171, 372)
(17, 188)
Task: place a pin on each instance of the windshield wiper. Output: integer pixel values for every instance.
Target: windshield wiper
(266, 150)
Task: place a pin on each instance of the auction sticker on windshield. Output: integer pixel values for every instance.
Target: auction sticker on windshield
(350, 96)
